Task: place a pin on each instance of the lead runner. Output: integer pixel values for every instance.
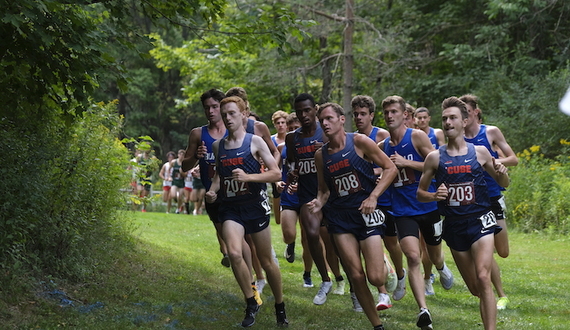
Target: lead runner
(244, 208)
(469, 226)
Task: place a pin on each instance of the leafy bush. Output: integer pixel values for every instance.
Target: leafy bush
(539, 190)
(61, 192)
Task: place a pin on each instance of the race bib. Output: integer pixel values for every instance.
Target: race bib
(265, 202)
(438, 228)
(235, 188)
(460, 194)
(347, 183)
(307, 166)
(211, 170)
(488, 220)
(373, 219)
(406, 176)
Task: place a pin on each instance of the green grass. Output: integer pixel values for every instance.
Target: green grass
(172, 279)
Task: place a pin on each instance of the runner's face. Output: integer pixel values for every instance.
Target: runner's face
(472, 118)
(362, 118)
(306, 112)
(293, 125)
(452, 123)
(280, 125)
(331, 122)
(232, 116)
(212, 110)
(394, 115)
(422, 120)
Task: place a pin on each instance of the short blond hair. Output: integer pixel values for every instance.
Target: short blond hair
(279, 114)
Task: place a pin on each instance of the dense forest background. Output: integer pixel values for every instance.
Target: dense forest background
(79, 76)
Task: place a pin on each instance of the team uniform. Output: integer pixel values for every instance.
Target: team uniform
(288, 201)
(305, 158)
(412, 216)
(385, 200)
(497, 199)
(188, 182)
(177, 177)
(433, 138)
(208, 170)
(242, 202)
(274, 191)
(467, 207)
(350, 180)
(167, 184)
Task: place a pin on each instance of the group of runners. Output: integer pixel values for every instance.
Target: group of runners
(353, 193)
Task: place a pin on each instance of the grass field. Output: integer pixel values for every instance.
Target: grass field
(173, 280)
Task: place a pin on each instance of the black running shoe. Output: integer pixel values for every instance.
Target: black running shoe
(250, 313)
(424, 320)
(281, 318)
(379, 327)
(290, 253)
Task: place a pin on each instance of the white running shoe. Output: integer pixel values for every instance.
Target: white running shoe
(339, 288)
(445, 277)
(355, 303)
(324, 290)
(400, 290)
(384, 302)
(429, 287)
(392, 278)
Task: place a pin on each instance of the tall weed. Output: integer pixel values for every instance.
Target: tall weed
(539, 190)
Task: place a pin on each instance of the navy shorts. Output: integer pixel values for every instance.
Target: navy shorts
(213, 211)
(290, 201)
(252, 216)
(390, 222)
(429, 224)
(461, 233)
(351, 221)
(498, 207)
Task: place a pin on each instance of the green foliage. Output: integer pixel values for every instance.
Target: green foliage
(61, 191)
(538, 194)
(526, 110)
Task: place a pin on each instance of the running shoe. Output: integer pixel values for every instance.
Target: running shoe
(256, 295)
(379, 327)
(260, 284)
(280, 315)
(429, 287)
(383, 302)
(324, 290)
(392, 278)
(502, 303)
(290, 253)
(250, 312)
(307, 281)
(355, 303)
(400, 290)
(339, 288)
(432, 278)
(424, 320)
(445, 277)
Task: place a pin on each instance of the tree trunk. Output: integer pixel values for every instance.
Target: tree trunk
(348, 65)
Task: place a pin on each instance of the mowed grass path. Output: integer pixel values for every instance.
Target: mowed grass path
(173, 279)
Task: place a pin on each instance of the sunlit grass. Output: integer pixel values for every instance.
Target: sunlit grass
(173, 279)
